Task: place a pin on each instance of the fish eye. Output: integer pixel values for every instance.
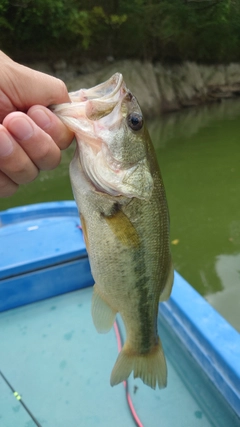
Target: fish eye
(135, 121)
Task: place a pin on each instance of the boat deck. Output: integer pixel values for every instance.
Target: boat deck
(56, 370)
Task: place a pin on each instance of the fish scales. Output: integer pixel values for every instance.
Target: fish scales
(121, 199)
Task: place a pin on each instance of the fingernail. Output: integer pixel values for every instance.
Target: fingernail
(41, 118)
(6, 145)
(21, 129)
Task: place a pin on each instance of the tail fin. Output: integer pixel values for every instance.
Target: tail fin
(151, 367)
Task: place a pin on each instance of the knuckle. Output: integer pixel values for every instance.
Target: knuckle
(48, 155)
(8, 190)
(66, 139)
(51, 162)
(7, 186)
(20, 167)
(23, 172)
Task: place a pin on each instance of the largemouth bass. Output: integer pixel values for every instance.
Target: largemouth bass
(123, 210)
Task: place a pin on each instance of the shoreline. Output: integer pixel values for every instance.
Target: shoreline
(159, 88)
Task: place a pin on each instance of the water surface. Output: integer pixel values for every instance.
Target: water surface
(198, 151)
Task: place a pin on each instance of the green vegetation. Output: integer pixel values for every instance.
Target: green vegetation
(167, 30)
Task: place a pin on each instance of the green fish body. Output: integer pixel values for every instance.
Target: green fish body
(121, 199)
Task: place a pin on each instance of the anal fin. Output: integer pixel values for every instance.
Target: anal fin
(103, 315)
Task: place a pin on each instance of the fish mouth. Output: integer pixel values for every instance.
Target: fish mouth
(108, 89)
(91, 105)
(102, 100)
(88, 106)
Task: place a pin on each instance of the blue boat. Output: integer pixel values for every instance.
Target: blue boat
(55, 368)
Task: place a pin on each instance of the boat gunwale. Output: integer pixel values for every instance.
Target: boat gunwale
(211, 340)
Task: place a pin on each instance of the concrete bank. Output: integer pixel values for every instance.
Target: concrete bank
(159, 88)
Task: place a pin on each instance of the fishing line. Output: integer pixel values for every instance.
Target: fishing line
(19, 398)
(125, 383)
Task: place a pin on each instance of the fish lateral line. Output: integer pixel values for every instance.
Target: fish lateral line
(131, 352)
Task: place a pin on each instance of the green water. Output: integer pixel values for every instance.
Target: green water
(198, 151)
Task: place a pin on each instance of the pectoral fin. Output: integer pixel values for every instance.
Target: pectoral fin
(123, 229)
(84, 230)
(102, 314)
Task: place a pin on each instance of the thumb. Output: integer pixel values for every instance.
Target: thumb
(25, 87)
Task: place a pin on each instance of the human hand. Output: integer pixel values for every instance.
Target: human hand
(31, 136)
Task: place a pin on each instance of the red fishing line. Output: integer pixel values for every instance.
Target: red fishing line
(125, 383)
